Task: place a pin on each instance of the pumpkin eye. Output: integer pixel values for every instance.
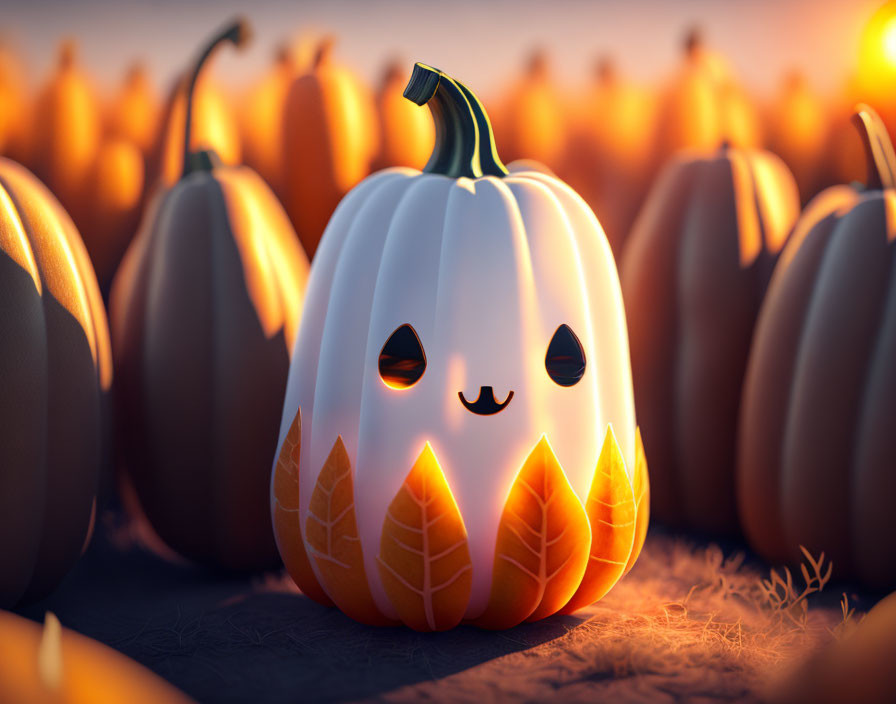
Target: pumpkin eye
(402, 360)
(565, 358)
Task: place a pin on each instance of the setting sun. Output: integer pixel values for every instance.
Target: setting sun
(877, 56)
(888, 41)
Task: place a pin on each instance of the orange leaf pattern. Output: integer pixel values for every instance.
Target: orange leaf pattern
(642, 501)
(331, 531)
(285, 509)
(424, 558)
(611, 510)
(542, 545)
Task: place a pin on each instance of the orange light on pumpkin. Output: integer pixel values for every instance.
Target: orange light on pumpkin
(134, 111)
(330, 135)
(553, 552)
(67, 131)
(55, 665)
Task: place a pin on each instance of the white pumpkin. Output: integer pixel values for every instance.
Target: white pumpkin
(484, 267)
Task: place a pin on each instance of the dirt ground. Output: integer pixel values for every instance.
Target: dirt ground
(686, 625)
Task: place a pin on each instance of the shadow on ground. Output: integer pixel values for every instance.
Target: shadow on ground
(227, 638)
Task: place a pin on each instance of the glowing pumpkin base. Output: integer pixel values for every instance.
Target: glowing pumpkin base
(553, 553)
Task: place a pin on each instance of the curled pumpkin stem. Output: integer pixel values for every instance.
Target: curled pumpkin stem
(238, 34)
(465, 144)
(879, 156)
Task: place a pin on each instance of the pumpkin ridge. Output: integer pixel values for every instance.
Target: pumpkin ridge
(217, 214)
(60, 236)
(841, 228)
(30, 263)
(887, 303)
(750, 233)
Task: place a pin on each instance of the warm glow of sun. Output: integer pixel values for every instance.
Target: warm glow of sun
(877, 58)
(888, 41)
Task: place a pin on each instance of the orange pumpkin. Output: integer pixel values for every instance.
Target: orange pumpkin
(856, 668)
(704, 106)
(67, 130)
(693, 274)
(15, 115)
(407, 133)
(529, 120)
(261, 120)
(798, 132)
(816, 438)
(115, 193)
(607, 158)
(204, 310)
(55, 367)
(54, 665)
(330, 137)
(134, 112)
(213, 126)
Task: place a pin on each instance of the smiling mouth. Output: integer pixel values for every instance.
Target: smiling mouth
(485, 404)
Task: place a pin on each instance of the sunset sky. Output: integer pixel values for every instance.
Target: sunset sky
(482, 41)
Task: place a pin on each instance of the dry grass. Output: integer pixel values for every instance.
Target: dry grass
(688, 624)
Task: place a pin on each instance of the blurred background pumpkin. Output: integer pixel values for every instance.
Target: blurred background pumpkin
(133, 111)
(15, 117)
(607, 154)
(816, 452)
(407, 133)
(261, 118)
(530, 119)
(797, 129)
(67, 132)
(693, 275)
(330, 136)
(704, 105)
(204, 311)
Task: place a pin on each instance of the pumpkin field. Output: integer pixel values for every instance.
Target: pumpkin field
(380, 355)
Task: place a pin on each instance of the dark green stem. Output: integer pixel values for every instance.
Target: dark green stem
(237, 33)
(465, 143)
(879, 157)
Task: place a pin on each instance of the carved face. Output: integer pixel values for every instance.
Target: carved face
(402, 362)
(456, 332)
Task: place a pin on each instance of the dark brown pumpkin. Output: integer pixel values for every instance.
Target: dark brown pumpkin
(55, 367)
(817, 453)
(204, 311)
(693, 275)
